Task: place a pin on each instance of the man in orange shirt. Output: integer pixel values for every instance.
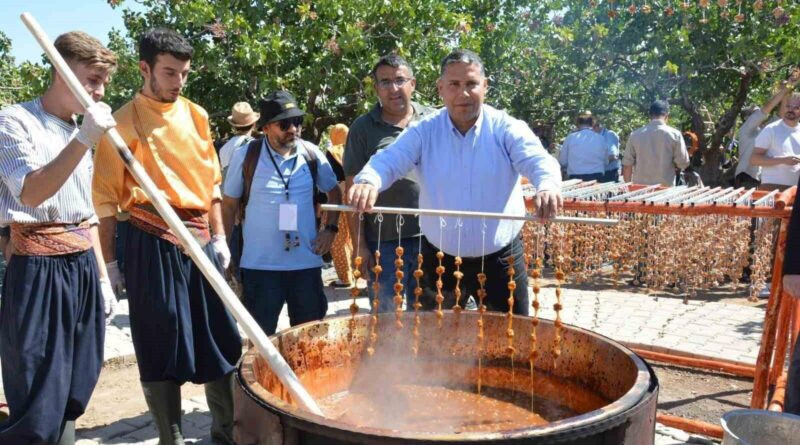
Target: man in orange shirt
(181, 330)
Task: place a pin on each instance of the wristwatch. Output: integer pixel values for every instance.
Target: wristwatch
(332, 227)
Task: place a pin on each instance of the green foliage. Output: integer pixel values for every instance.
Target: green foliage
(547, 60)
(19, 83)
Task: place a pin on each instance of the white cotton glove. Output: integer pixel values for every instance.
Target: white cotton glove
(109, 299)
(115, 278)
(96, 121)
(220, 245)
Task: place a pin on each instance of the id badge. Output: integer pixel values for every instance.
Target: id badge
(287, 217)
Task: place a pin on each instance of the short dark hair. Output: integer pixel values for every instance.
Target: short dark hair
(585, 120)
(462, 56)
(659, 108)
(393, 60)
(163, 41)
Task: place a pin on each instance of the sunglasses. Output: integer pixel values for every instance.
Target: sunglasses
(284, 124)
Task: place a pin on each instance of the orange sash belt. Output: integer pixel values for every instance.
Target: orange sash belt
(50, 239)
(146, 218)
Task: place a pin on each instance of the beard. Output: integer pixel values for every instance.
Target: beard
(161, 94)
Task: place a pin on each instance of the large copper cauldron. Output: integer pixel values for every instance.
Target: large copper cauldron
(609, 392)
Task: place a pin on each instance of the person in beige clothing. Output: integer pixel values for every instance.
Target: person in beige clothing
(654, 151)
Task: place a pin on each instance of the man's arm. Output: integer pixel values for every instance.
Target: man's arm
(358, 235)
(107, 231)
(787, 87)
(41, 184)
(326, 180)
(627, 172)
(531, 160)
(215, 218)
(98, 251)
(760, 158)
(680, 156)
(628, 160)
(230, 207)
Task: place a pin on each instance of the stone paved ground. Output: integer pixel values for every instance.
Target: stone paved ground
(704, 328)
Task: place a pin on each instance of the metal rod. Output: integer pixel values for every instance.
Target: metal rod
(632, 195)
(668, 194)
(464, 213)
(229, 298)
(766, 198)
(744, 198)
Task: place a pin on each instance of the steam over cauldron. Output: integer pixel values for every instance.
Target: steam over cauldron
(597, 392)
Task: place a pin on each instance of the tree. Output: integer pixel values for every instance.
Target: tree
(19, 83)
(321, 51)
(707, 58)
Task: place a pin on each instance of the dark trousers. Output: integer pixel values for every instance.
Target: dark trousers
(745, 180)
(52, 329)
(180, 328)
(495, 268)
(265, 291)
(611, 175)
(590, 177)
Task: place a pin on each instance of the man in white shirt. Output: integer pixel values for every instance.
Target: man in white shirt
(585, 152)
(243, 120)
(777, 148)
(747, 174)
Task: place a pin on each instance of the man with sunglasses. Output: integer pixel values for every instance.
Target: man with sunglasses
(272, 183)
(370, 133)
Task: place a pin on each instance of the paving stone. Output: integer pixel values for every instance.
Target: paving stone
(112, 431)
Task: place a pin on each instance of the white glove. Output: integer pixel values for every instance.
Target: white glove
(220, 245)
(109, 299)
(115, 278)
(96, 121)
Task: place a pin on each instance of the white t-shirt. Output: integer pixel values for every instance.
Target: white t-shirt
(226, 152)
(748, 133)
(780, 140)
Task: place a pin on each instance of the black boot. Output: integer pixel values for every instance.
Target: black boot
(164, 401)
(219, 395)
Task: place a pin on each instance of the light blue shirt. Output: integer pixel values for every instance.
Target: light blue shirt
(264, 244)
(612, 139)
(477, 171)
(585, 152)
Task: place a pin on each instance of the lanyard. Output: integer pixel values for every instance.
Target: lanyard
(280, 175)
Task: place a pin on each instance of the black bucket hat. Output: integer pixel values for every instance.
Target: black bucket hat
(277, 106)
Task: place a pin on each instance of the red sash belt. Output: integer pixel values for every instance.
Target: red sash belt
(146, 218)
(50, 239)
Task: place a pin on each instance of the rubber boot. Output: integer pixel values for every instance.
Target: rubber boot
(164, 401)
(68, 433)
(219, 395)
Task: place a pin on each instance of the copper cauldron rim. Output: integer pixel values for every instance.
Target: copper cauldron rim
(296, 415)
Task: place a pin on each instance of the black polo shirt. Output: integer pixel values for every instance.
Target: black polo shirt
(368, 134)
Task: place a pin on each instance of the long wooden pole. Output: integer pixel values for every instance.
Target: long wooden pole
(229, 298)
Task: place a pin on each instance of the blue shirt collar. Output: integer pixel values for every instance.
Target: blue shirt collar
(477, 126)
